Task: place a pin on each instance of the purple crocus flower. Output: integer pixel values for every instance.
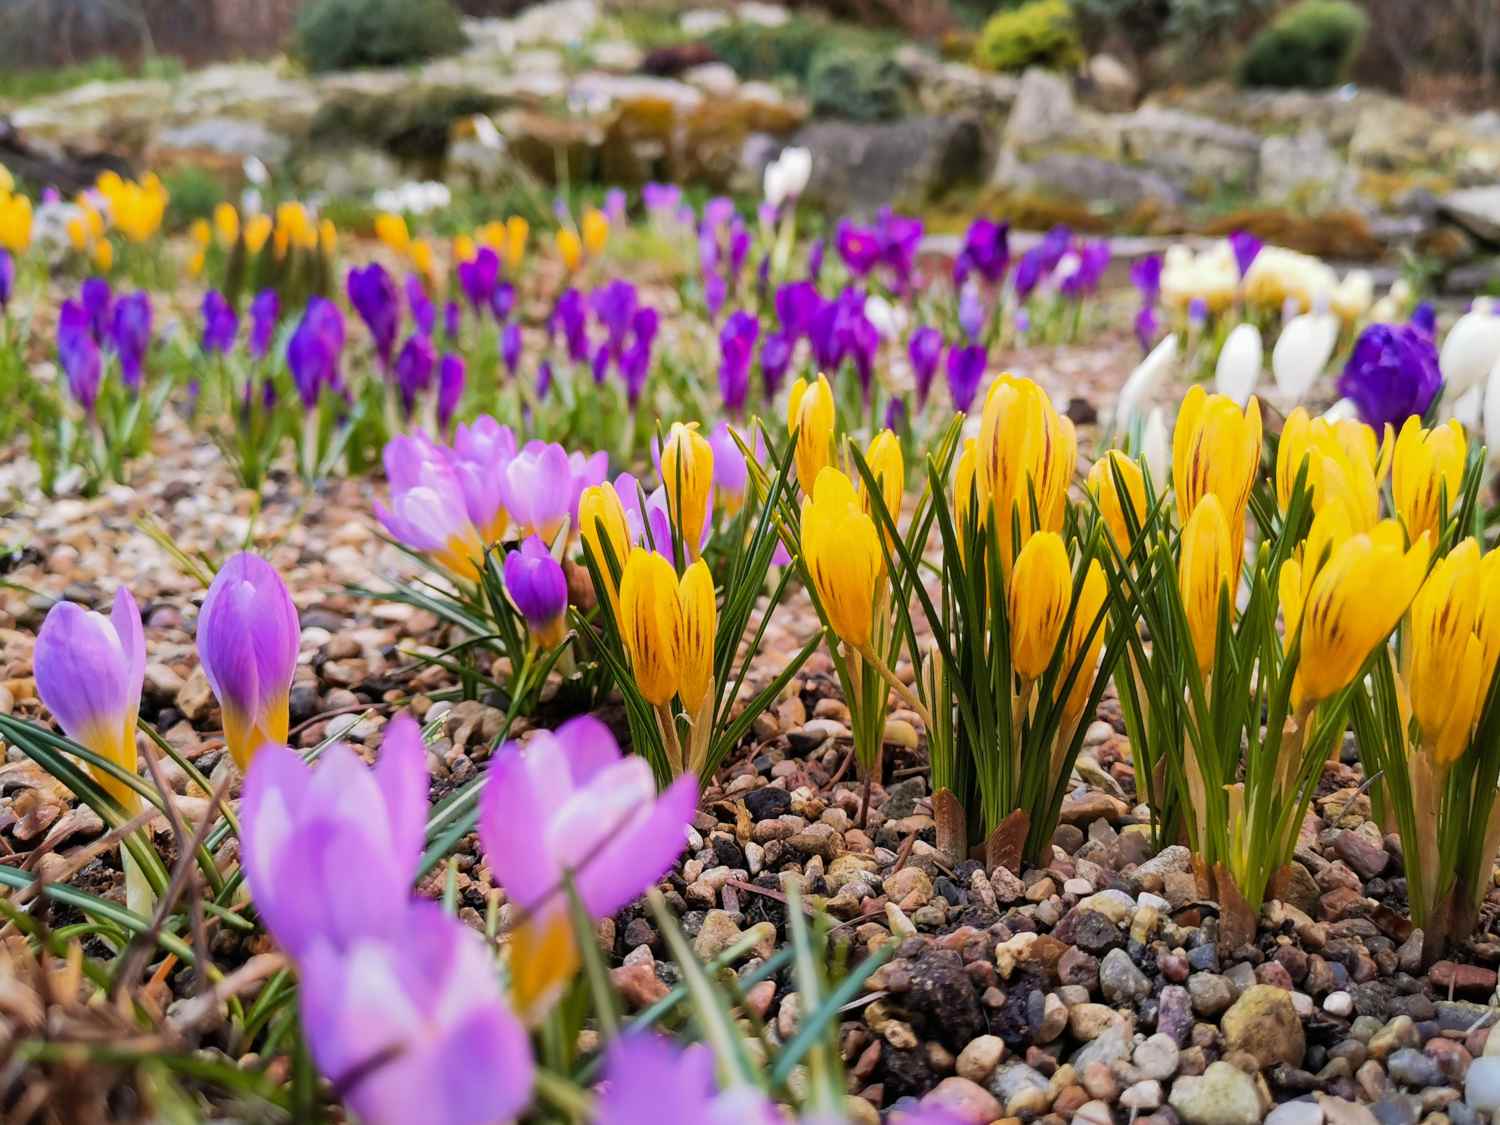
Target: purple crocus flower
(895, 415)
(423, 315)
(775, 359)
(985, 250)
(1029, 271)
(451, 373)
(97, 300)
(1147, 327)
(571, 317)
(373, 295)
(736, 349)
(536, 488)
(247, 645)
(1424, 319)
(305, 828)
(858, 246)
(635, 364)
(924, 349)
(614, 206)
(718, 211)
(739, 247)
(866, 342)
(1392, 374)
(649, 1078)
(1145, 275)
(568, 803)
(7, 278)
(1197, 313)
(1053, 246)
(78, 354)
(815, 259)
(536, 584)
(220, 323)
(503, 301)
(797, 306)
(1246, 247)
(388, 1019)
(130, 334)
(971, 312)
(899, 237)
(414, 368)
(731, 474)
(452, 320)
(315, 348)
(478, 275)
(264, 312)
(614, 305)
(715, 292)
(510, 347)
(965, 372)
(543, 378)
(600, 363)
(661, 199)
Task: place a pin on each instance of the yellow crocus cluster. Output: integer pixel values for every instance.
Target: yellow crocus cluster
(1216, 451)
(136, 208)
(295, 228)
(687, 474)
(391, 230)
(1426, 473)
(1345, 465)
(668, 627)
(1342, 595)
(587, 242)
(842, 552)
(86, 234)
(1111, 470)
(507, 239)
(601, 518)
(810, 416)
(15, 221)
(1024, 459)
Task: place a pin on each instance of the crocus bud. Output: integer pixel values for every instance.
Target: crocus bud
(700, 622)
(89, 669)
(601, 519)
(687, 473)
(594, 227)
(429, 511)
(1102, 483)
(1216, 448)
(1426, 474)
(1041, 583)
(450, 388)
(651, 624)
(536, 584)
(1447, 657)
(842, 552)
(536, 489)
(1085, 639)
(247, 643)
(810, 415)
(889, 469)
(1206, 573)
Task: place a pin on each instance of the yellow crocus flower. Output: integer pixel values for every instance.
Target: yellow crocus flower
(651, 624)
(1487, 614)
(201, 233)
(7, 181)
(419, 250)
(1348, 605)
(392, 232)
(595, 230)
(842, 552)
(1344, 464)
(1216, 450)
(601, 518)
(227, 224)
(889, 469)
(1445, 658)
(104, 255)
(196, 263)
(1087, 609)
(328, 236)
(257, 231)
(1102, 484)
(15, 222)
(464, 248)
(687, 474)
(700, 622)
(1426, 474)
(570, 248)
(1026, 450)
(78, 233)
(1041, 584)
(963, 491)
(517, 231)
(810, 415)
(1206, 572)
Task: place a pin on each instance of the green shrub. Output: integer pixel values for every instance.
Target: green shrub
(1041, 33)
(770, 52)
(857, 84)
(1310, 44)
(343, 34)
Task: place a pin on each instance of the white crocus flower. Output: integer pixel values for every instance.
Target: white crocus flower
(1156, 449)
(1144, 382)
(1470, 351)
(1301, 352)
(1238, 368)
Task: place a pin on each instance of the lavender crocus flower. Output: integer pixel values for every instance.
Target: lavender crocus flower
(797, 306)
(480, 454)
(536, 487)
(924, 349)
(648, 1078)
(373, 295)
(97, 303)
(452, 320)
(965, 372)
(985, 250)
(661, 199)
(569, 803)
(78, 355)
(775, 359)
(503, 301)
(736, 349)
(858, 246)
(451, 373)
(414, 368)
(536, 584)
(1246, 248)
(478, 275)
(731, 474)
(130, 334)
(429, 511)
(614, 206)
(971, 312)
(220, 323)
(718, 211)
(7, 279)
(510, 347)
(423, 315)
(89, 669)
(247, 645)
(1392, 374)
(305, 828)
(264, 312)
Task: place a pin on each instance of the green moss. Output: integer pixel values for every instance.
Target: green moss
(1311, 44)
(1041, 33)
(345, 34)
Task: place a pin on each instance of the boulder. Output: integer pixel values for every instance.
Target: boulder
(1198, 154)
(1085, 179)
(1475, 209)
(859, 167)
(1304, 171)
(235, 137)
(1045, 118)
(348, 170)
(1395, 136)
(942, 88)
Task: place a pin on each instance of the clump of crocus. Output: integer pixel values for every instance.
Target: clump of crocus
(429, 511)
(567, 804)
(89, 670)
(536, 584)
(247, 642)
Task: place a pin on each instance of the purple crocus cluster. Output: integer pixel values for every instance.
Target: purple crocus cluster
(1145, 275)
(723, 246)
(985, 252)
(629, 331)
(736, 351)
(1392, 373)
(1038, 263)
(96, 323)
(891, 242)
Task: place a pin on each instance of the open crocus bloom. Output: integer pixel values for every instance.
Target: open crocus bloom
(536, 487)
(481, 452)
(306, 831)
(428, 511)
(415, 1027)
(89, 669)
(568, 802)
(247, 642)
(650, 1079)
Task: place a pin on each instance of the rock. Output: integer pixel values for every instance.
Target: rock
(638, 984)
(1174, 1013)
(1473, 981)
(1142, 1095)
(1211, 993)
(1110, 83)
(964, 1100)
(1157, 1056)
(1476, 209)
(718, 932)
(1173, 860)
(943, 994)
(1339, 1003)
(1109, 1047)
(860, 167)
(1339, 1111)
(944, 88)
(1304, 171)
(768, 802)
(1120, 980)
(196, 698)
(1222, 1095)
(979, 1059)
(910, 887)
(1263, 1023)
(1077, 967)
(1197, 154)
(1299, 1112)
(1482, 1084)
(1089, 1021)
(1368, 858)
(348, 170)
(1411, 1067)
(1013, 1079)
(235, 137)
